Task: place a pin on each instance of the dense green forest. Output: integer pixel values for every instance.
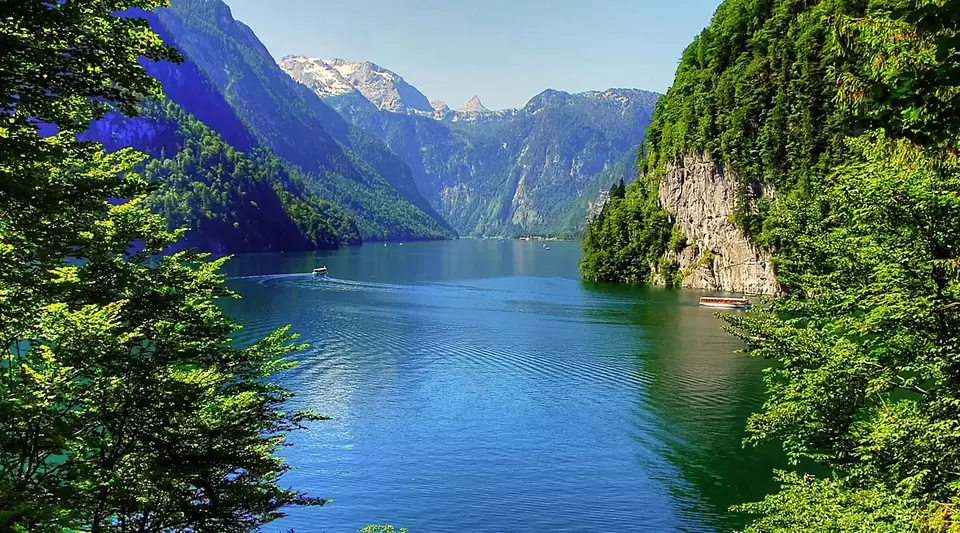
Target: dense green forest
(237, 202)
(756, 91)
(850, 111)
(336, 161)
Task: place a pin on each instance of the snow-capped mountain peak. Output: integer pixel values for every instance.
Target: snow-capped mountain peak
(387, 91)
(440, 110)
(320, 76)
(384, 88)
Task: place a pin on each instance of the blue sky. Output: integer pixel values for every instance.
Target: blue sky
(505, 51)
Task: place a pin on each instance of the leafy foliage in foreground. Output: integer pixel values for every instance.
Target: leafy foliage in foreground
(124, 406)
(867, 339)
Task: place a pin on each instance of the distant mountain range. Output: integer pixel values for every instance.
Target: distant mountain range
(492, 172)
(251, 160)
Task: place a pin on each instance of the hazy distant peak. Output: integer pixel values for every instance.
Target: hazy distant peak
(474, 105)
(388, 91)
(441, 111)
(472, 111)
(626, 99)
(623, 96)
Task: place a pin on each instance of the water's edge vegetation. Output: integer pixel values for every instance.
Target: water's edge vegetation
(840, 120)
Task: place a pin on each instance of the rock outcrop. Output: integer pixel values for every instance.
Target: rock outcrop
(441, 111)
(595, 206)
(701, 195)
(336, 77)
(472, 110)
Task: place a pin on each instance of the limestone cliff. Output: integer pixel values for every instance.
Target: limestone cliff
(701, 196)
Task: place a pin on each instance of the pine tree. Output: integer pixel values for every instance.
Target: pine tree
(618, 190)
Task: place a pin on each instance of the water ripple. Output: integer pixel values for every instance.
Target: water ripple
(499, 403)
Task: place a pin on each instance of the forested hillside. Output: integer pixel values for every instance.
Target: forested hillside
(837, 123)
(338, 163)
(233, 196)
(237, 202)
(756, 92)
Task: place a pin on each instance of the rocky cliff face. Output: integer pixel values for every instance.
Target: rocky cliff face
(701, 195)
(595, 206)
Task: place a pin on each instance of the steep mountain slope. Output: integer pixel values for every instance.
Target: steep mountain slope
(572, 222)
(751, 119)
(342, 164)
(239, 202)
(504, 172)
(233, 196)
(231, 201)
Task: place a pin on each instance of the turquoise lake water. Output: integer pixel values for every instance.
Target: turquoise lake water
(481, 386)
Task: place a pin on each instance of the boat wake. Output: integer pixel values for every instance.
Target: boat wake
(266, 277)
(309, 280)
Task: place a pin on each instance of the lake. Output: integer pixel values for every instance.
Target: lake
(481, 386)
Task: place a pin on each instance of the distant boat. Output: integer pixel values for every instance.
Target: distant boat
(320, 271)
(728, 303)
(545, 247)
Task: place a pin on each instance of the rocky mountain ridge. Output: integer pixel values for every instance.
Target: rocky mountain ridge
(495, 172)
(385, 89)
